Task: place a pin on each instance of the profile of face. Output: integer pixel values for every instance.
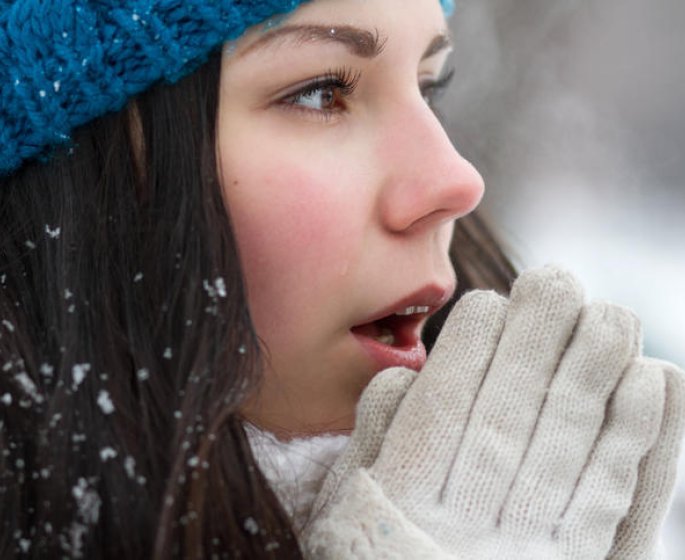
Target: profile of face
(343, 189)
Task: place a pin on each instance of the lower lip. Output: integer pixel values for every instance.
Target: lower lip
(412, 357)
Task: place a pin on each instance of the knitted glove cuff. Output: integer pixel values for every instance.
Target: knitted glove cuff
(364, 524)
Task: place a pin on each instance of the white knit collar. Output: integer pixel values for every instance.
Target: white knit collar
(295, 469)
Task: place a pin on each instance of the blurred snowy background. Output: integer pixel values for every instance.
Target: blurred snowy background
(574, 112)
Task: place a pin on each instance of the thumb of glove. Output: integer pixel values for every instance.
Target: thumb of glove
(375, 412)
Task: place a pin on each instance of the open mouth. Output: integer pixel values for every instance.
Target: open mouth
(399, 330)
(395, 339)
(392, 336)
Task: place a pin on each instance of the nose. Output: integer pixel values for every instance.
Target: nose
(427, 182)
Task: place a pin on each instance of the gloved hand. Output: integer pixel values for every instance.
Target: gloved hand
(522, 438)
(638, 534)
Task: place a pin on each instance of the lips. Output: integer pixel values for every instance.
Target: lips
(392, 336)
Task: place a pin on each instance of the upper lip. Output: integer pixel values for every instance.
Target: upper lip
(432, 296)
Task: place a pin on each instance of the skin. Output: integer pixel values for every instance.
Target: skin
(341, 205)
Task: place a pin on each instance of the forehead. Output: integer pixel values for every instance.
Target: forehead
(363, 26)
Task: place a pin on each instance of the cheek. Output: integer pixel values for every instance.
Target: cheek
(293, 246)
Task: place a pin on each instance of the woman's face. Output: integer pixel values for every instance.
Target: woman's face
(343, 188)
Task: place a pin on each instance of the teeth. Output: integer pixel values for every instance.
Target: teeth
(413, 309)
(386, 337)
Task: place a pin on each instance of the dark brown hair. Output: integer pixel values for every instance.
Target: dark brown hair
(126, 346)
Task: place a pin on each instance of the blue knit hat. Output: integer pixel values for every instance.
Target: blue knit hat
(66, 62)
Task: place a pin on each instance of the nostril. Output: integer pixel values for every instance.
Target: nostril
(433, 220)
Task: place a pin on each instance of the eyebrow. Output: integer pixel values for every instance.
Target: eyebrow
(360, 42)
(439, 43)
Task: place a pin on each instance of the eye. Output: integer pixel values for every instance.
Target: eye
(324, 95)
(431, 90)
(323, 98)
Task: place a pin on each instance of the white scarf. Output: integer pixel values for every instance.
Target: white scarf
(295, 469)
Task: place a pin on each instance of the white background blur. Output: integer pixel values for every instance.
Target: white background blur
(574, 113)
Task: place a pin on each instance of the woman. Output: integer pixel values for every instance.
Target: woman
(139, 335)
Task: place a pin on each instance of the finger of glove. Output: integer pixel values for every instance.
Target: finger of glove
(375, 411)
(422, 439)
(606, 339)
(605, 490)
(638, 534)
(543, 311)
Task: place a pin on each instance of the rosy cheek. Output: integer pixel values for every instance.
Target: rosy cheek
(290, 238)
(290, 214)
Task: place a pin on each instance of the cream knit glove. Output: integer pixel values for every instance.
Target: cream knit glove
(638, 533)
(522, 438)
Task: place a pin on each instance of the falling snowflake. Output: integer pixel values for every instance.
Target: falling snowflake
(78, 374)
(87, 501)
(130, 466)
(107, 453)
(105, 402)
(53, 232)
(251, 526)
(28, 386)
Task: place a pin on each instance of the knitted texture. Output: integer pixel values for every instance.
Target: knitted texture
(295, 469)
(638, 533)
(535, 431)
(66, 62)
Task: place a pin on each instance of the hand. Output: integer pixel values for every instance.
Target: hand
(638, 534)
(521, 438)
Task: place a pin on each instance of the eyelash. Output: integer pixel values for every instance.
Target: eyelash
(344, 81)
(433, 89)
